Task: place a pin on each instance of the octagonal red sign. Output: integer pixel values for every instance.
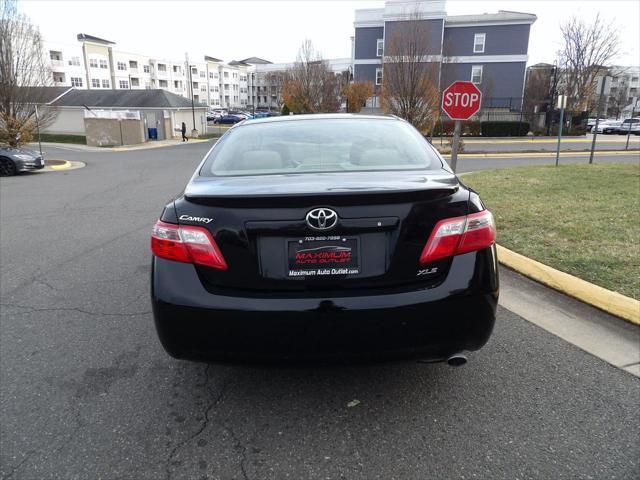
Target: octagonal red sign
(461, 100)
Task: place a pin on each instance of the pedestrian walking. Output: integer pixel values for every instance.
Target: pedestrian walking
(184, 132)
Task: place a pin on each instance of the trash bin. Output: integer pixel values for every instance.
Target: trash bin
(153, 133)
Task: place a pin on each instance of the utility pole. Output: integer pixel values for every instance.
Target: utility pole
(40, 143)
(595, 128)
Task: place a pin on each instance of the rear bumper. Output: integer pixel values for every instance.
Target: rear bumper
(432, 323)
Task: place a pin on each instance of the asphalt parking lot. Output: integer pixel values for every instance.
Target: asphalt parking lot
(88, 392)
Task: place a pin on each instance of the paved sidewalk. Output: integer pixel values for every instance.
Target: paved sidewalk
(124, 148)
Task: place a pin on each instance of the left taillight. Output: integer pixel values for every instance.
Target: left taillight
(454, 236)
(186, 243)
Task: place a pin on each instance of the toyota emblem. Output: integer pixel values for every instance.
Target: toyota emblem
(322, 218)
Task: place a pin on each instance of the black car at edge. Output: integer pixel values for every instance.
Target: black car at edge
(324, 236)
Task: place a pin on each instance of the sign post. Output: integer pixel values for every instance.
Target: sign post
(603, 86)
(562, 104)
(460, 100)
(633, 112)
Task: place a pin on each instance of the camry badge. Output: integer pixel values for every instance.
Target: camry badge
(322, 218)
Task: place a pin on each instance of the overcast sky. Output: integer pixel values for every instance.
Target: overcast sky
(275, 29)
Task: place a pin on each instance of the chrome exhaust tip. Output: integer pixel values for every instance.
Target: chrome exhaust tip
(457, 360)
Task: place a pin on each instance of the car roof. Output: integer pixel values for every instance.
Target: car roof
(317, 116)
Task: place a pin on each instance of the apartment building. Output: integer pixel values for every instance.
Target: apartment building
(265, 80)
(491, 50)
(95, 63)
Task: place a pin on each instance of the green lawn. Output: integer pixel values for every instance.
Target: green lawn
(580, 219)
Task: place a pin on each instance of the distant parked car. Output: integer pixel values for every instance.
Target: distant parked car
(14, 160)
(609, 126)
(592, 123)
(229, 119)
(630, 125)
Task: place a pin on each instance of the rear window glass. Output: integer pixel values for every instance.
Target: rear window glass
(320, 145)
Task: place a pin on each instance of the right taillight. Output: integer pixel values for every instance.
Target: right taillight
(186, 243)
(454, 236)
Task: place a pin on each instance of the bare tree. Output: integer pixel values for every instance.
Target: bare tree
(618, 97)
(23, 69)
(586, 54)
(276, 80)
(310, 85)
(356, 94)
(537, 94)
(410, 79)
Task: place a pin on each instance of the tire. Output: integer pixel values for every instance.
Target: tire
(7, 167)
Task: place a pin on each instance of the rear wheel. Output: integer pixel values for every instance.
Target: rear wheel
(7, 167)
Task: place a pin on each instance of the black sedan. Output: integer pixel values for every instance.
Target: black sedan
(323, 236)
(228, 119)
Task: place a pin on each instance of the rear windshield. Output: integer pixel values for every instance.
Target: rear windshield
(320, 145)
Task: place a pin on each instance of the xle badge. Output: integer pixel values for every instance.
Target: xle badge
(427, 271)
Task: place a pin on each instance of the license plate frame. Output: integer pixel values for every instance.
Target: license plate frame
(322, 256)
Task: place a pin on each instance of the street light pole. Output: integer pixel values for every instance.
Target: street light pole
(193, 109)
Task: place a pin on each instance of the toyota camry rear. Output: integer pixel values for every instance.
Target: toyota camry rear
(324, 236)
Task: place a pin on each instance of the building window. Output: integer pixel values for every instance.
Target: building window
(226, 74)
(104, 64)
(95, 83)
(93, 63)
(162, 83)
(133, 64)
(177, 84)
(478, 42)
(226, 86)
(75, 61)
(634, 79)
(203, 88)
(55, 55)
(124, 84)
(216, 89)
(210, 74)
(135, 82)
(177, 69)
(162, 67)
(58, 77)
(122, 66)
(194, 71)
(476, 74)
(106, 84)
(378, 76)
(380, 47)
(76, 81)
(145, 68)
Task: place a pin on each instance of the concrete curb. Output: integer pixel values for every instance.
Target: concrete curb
(549, 154)
(611, 302)
(65, 165)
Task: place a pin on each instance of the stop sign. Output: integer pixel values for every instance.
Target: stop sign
(461, 100)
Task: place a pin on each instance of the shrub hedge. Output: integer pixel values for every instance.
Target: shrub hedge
(504, 129)
(60, 138)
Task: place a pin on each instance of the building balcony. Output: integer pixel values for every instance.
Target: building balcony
(57, 63)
